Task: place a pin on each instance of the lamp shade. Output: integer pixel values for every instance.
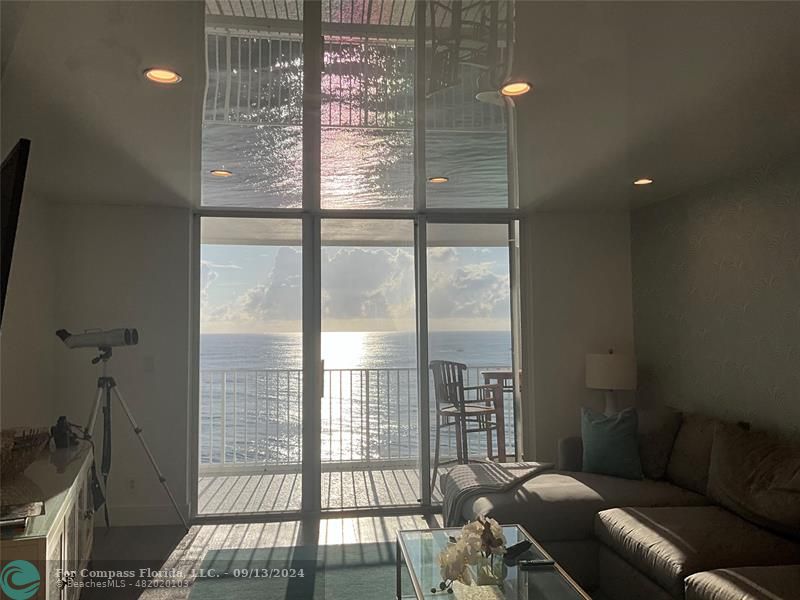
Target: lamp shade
(610, 372)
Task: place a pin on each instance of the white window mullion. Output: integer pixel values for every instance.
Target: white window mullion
(423, 392)
(516, 332)
(420, 257)
(420, 178)
(312, 354)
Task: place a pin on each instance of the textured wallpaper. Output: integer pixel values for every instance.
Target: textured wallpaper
(716, 296)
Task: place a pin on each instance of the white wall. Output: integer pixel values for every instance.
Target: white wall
(576, 299)
(716, 282)
(130, 267)
(28, 333)
(104, 239)
(27, 340)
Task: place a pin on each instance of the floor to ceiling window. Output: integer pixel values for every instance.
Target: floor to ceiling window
(358, 221)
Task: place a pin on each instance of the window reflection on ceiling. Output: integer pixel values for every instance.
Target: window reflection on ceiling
(253, 110)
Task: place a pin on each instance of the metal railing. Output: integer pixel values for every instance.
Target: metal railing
(252, 419)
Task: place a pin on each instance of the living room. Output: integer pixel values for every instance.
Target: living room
(332, 295)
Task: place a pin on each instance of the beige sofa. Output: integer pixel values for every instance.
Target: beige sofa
(677, 537)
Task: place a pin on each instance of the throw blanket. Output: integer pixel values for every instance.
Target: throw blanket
(464, 482)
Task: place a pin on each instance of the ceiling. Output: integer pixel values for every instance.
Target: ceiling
(684, 93)
(100, 133)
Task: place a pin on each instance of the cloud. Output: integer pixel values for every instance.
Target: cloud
(442, 254)
(374, 283)
(469, 291)
(213, 265)
(279, 299)
(209, 274)
(363, 284)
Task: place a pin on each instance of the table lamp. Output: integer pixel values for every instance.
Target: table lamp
(610, 372)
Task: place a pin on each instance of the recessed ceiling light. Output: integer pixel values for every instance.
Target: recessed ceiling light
(221, 173)
(438, 179)
(643, 181)
(160, 75)
(515, 88)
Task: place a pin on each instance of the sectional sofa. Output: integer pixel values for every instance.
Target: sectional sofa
(716, 518)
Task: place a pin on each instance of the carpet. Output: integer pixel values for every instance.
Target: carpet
(360, 571)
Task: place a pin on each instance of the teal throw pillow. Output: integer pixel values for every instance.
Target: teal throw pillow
(611, 443)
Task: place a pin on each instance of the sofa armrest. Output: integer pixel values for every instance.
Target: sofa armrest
(570, 454)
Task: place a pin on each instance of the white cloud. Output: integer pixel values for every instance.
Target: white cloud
(442, 254)
(213, 265)
(368, 283)
(361, 284)
(208, 275)
(279, 299)
(469, 291)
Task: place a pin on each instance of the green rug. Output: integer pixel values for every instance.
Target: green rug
(360, 571)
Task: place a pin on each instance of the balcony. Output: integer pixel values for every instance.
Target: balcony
(251, 448)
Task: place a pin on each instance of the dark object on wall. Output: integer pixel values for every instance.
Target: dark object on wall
(62, 433)
(12, 180)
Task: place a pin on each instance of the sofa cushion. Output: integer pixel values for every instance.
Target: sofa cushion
(611, 443)
(658, 428)
(691, 453)
(746, 583)
(618, 580)
(669, 544)
(560, 506)
(753, 475)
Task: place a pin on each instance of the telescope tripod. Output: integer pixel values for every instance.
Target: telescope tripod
(106, 388)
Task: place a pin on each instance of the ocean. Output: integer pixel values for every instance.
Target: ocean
(375, 350)
(251, 393)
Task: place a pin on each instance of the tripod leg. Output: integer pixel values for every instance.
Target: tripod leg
(105, 463)
(163, 480)
(89, 429)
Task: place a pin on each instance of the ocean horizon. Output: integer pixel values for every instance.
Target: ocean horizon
(352, 349)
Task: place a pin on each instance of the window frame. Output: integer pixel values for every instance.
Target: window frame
(312, 214)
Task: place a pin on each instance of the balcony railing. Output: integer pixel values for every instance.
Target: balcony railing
(252, 419)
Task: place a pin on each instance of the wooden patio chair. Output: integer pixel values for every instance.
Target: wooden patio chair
(453, 409)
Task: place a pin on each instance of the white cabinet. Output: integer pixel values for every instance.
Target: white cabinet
(61, 539)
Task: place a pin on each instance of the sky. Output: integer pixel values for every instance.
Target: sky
(257, 289)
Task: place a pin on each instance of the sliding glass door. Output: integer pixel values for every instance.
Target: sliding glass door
(370, 405)
(469, 322)
(251, 366)
(357, 221)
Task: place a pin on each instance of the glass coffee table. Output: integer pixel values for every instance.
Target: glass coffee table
(420, 549)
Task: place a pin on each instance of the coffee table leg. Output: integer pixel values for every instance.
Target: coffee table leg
(398, 584)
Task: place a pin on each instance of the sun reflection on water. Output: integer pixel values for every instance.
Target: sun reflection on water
(343, 349)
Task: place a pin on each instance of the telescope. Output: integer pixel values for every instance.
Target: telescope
(100, 339)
